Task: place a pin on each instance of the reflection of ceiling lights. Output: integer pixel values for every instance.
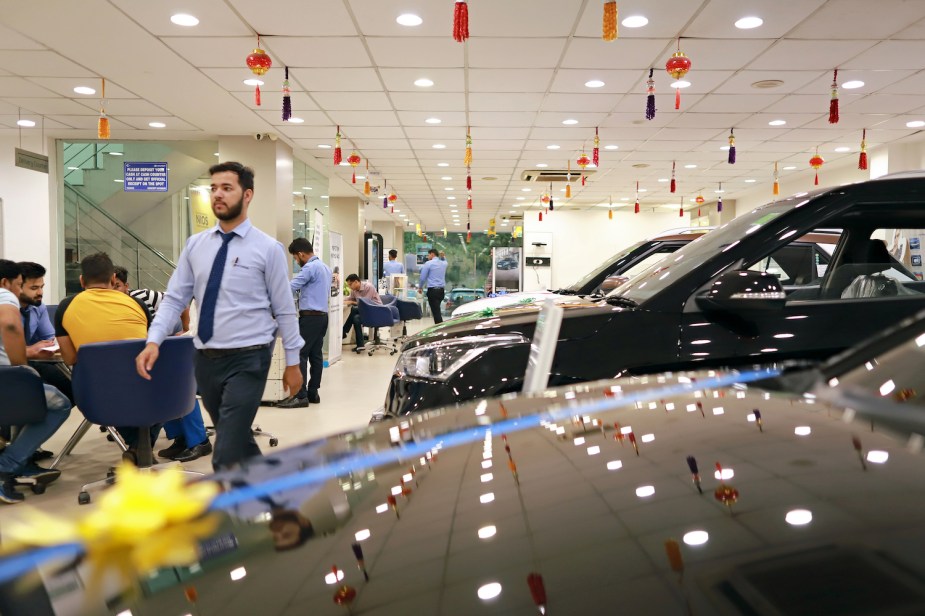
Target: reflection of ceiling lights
(747, 23)
(690, 166)
(443, 164)
(799, 517)
(542, 165)
(409, 19)
(843, 148)
(611, 147)
(439, 146)
(552, 147)
(489, 591)
(789, 168)
(183, 19)
(635, 21)
(696, 537)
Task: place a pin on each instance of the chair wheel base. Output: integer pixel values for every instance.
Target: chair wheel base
(393, 352)
(370, 353)
(38, 488)
(83, 498)
(274, 442)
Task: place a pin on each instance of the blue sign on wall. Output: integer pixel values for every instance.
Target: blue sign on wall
(145, 177)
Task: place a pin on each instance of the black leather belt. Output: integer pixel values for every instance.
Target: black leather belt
(216, 353)
(311, 313)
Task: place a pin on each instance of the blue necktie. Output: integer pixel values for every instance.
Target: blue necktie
(207, 312)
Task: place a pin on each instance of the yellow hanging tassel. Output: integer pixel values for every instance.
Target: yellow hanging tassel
(776, 189)
(366, 189)
(568, 191)
(610, 214)
(609, 30)
(467, 159)
(102, 125)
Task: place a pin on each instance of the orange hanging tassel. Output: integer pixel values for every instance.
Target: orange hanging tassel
(568, 191)
(366, 188)
(609, 26)
(862, 157)
(776, 188)
(102, 125)
(610, 214)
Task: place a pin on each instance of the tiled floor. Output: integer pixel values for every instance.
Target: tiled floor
(351, 390)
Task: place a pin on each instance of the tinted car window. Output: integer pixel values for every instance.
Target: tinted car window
(604, 267)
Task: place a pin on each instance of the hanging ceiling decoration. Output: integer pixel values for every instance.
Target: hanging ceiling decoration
(353, 160)
(673, 185)
(775, 190)
(833, 104)
(650, 96)
(678, 66)
(461, 22)
(862, 157)
(338, 154)
(596, 152)
(259, 63)
(636, 207)
(102, 124)
(568, 181)
(732, 147)
(816, 163)
(609, 25)
(467, 160)
(287, 98)
(719, 200)
(583, 161)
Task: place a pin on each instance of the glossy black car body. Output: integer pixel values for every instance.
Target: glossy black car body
(659, 321)
(605, 495)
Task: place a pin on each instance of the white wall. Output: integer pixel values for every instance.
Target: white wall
(27, 225)
(581, 240)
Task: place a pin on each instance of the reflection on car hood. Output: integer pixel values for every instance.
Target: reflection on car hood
(665, 494)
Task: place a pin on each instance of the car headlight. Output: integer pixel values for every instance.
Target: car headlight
(440, 360)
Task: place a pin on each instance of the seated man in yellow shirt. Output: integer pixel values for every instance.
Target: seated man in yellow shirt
(100, 314)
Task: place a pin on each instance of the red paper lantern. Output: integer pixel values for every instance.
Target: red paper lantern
(353, 160)
(393, 198)
(816, 162)
(583, 161)
(545, 199)
(677, 66)
(259, 63)
(345, 595)
(699, 200)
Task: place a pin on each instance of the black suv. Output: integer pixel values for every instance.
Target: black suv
(747, 293)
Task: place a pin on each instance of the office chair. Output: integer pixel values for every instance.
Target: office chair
(407, 311)
(23, 400)
(109, 392)
(375, 316)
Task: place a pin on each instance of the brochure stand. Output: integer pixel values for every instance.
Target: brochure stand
(543, 347)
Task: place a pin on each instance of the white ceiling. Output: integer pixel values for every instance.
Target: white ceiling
(520, 75)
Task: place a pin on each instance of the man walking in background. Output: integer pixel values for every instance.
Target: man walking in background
(433, 278)
(239, 278)
(313, 284)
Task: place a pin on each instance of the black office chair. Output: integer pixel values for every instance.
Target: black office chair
(109, 392)
(375, 316)
(407, 311)
(23, 400)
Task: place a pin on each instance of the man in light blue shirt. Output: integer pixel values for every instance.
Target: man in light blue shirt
(313, 284)
(392, 266)
(433, 278)
(239, 278)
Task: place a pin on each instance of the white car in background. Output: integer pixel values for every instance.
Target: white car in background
(601, 280)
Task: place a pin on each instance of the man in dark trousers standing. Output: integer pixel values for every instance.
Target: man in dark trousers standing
(313, 284)
(433, 278)
(239, 278)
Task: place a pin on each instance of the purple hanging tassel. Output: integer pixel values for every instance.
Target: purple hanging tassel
(287, 101)
(719, 204)
(385, 202)
(650, 98)
(551, 204)
(732, 147)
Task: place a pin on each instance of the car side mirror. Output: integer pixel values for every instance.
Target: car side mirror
(743, 290)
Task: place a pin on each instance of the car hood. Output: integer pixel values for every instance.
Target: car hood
(491, 321)
(687, 493)
(516, 300)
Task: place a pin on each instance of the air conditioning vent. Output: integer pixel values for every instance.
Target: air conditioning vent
(553, 175)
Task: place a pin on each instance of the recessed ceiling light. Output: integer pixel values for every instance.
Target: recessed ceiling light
(635, 21)
(253, 82)
(915, 124)
(182, 19)
(115, 153)
(423, 82)
(766, 84)
(433, 120)
(520, 198)
(594, 83)
(324, 146)
(777, 122)
(512, 211)
(524, 190)
(446, 178)
(542, 165)
(395, 211)
(789, 168)
(611, 147)
(438, 146)
(73, 168)
(216, 153)
(690, 166)
(324, 196)
(443, 164)
(747, 23)
(25, 123)
(750, 181)
(295, 192)
(643, 190)
(451, 198)
(570, 122)
(448, 188)
(306, 188)
(295, 120)
(724, 147)
(552, 147)
(84, 90)
(157, 125)
(409, 19)
(681, 84)
(853, 85)
(843, 148)
(662, 179)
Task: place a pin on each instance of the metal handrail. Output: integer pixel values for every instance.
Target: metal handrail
(126, 230)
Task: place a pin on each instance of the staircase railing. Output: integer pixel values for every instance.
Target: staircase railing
(89, 229)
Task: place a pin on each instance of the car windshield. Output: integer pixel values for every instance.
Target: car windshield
(659, 275)
(603, 268)
(888, 367)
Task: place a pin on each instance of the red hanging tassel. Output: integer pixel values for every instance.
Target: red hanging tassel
(468, 182)
(862, 157)
(392, 210)
(541, 216)
(537, 590)
(354, 180)
(698, 212)
(469, 203)
(338, 155)
(677, 98)
(673, 184)
(257, 96)
(636, 208)
(833, 104)
(461, 22)
(582, 179)
(817, 179)
(596, 152)
(681, 212)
